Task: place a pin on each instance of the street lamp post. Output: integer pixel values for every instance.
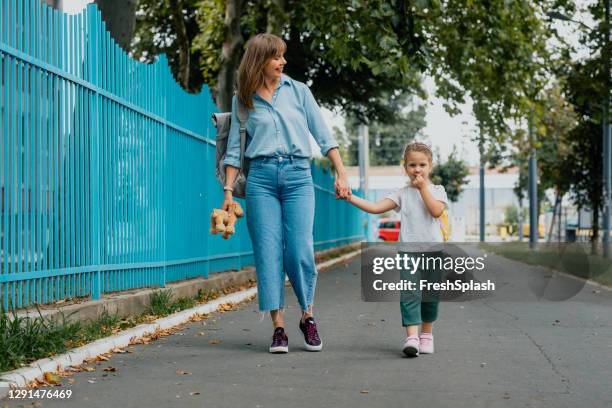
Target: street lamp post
(533, 192)
(364, 166)
(482, 188)
(607, 135)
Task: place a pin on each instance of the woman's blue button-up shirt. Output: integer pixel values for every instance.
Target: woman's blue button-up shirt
(280, 127)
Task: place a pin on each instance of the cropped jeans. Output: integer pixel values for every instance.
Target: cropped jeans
(417, 306)
(280, 217)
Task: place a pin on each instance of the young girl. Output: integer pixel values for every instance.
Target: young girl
(420, 204)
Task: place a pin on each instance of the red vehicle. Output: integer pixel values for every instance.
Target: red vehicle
(388, 229)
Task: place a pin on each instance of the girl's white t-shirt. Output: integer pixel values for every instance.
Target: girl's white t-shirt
(417, 224)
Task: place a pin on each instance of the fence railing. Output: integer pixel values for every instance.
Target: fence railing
(107, 167)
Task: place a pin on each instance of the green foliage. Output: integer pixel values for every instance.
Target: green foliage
(553, 140)
(352, 52)
(387, 139)
(511, 216)
(209, 38)
(156, 34)
(26, 339)
(162, 303)
(452, 174)
(554, 148)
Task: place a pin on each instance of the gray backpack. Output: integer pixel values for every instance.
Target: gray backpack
(222, 122)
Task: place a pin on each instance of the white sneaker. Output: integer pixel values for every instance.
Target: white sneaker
(411, 346)
(426, 343)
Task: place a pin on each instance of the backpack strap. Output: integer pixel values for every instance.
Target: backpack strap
(243, 116)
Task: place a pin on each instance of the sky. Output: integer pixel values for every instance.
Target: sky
(442, 131)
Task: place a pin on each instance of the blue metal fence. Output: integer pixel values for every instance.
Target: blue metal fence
(107, 167)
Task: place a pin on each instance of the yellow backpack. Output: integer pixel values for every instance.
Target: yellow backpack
(445, 226)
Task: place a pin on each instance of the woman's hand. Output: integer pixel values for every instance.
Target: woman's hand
(228, 200)
(342, 187)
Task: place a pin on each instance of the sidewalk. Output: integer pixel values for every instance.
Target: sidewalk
(488, 354)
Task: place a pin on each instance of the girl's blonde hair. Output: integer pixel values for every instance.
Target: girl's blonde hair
(418, 147)
(259, 50)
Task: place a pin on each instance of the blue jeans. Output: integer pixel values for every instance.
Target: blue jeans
(280, 216)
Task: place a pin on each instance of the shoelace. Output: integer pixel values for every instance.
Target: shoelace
(278, 336)
(311, 331)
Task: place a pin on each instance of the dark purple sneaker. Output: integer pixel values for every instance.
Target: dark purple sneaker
(312, 342)
(280, 342)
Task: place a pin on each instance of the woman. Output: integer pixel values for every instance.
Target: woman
(279, 192)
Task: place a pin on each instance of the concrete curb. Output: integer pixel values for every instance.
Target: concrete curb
(22, 376)
(578, 278)
(332, 262)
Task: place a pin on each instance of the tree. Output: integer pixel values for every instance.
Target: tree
(120, 19)
(452, 174)
(353, 51)
(586, 88)
(552, 139)
(387, 139)
(169, 27)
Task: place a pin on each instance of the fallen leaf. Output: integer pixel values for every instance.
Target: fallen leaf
(89, 369)
(214, 341)
(91, 381)
(101, 358)
(52, 378)
(365, 391)
(118, 350)
(110, 368)
(194, 393)
(181, 372)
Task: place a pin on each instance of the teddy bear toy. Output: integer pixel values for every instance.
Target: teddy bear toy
(222, 221)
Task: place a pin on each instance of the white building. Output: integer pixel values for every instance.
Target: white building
(499, 194)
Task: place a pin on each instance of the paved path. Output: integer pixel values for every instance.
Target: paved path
(488, 354)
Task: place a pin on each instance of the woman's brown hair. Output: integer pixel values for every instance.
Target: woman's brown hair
(259, 50)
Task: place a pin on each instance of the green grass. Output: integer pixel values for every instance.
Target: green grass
(27, 339)
(575, 259)
(162, 303)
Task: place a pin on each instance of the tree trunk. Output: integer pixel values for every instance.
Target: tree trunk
(552, 223)
(56, 4)
(230, 55)
(275, 17)
(180, 28)
(120, 19)
(595, 228)
(560, 218)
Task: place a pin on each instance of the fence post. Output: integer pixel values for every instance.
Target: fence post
(93, 31)
(162, 80)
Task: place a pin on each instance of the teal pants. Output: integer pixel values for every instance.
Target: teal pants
(416, 306)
